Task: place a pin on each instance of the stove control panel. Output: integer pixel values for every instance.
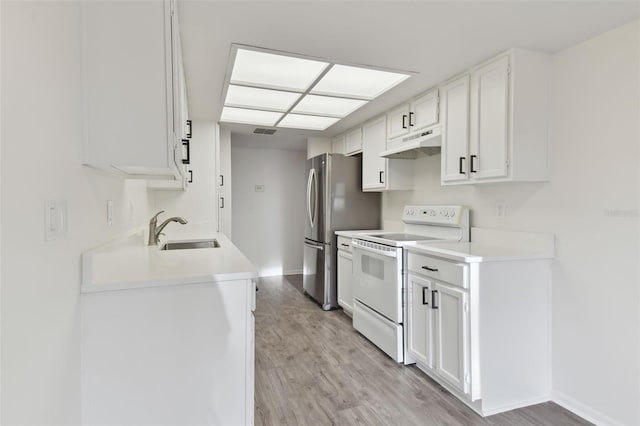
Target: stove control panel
(440, 215)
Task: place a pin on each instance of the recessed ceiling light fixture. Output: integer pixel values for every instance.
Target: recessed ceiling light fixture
(276, 89)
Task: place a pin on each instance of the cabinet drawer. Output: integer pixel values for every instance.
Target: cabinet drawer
(443, 270)
(344, 243)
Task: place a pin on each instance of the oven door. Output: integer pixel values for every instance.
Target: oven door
(377, 276)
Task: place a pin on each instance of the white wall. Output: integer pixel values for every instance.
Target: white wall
(198, 203)
(592, 206)
(268, 227)
(41, 159)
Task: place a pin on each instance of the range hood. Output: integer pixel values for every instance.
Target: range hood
(426, 142)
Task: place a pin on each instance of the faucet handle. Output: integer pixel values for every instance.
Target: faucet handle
(155, 216)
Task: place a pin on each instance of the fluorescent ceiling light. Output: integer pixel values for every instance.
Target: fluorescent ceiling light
(274, 71)
(342, 80)
(310, 122)
(251, 97)
(250, 116)
(326, 105)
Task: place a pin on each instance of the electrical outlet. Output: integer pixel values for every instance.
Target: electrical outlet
(501, 210)
(259, 188)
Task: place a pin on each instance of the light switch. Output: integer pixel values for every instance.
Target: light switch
(55, 219)
(259, 188)
(501, 210)
(109, 212)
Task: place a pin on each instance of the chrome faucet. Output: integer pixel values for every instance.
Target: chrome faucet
(155, 230)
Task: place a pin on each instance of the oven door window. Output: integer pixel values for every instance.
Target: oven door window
(377, 283)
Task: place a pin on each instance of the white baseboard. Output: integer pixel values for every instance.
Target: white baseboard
(582, 410)
(293, 272)
(514, 405)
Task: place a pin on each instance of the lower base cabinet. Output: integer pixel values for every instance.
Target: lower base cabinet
(180, 355)
(345, 275)
(482, 329)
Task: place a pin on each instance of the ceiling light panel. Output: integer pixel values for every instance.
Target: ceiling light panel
(342, 80)
(250, 116)
(251, 97)
(309, 122)
(273, 71)
(326, 105)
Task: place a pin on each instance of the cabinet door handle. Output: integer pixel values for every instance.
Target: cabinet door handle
(425, 290)
(221, 180)
(460, 165)
(411, 122)
(404, 121)
(187, 143)
(472, 168)
(433, 299)
(344, 245)
(190, 176)
(381, 175)
(189, 131)
(430, 269)
(222, 202)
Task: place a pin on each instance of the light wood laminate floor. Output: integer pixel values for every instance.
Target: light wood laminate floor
(313, 368)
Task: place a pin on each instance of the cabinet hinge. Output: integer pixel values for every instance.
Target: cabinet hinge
(466, 378)
(466, 307)
(506, 163)
(508, 70)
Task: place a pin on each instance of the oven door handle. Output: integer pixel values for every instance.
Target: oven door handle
(355, 244)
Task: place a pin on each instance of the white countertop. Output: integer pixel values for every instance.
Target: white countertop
(492, 245)
(477, 252)
(130, 263)
(353, 234)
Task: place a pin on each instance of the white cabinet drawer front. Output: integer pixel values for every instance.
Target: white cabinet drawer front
(452, 273)
(344, 243)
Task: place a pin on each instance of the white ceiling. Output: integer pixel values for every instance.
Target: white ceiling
(436, 39)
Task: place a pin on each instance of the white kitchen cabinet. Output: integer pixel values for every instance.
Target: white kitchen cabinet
(481, 328)
(450, 337)
(438, 329)
(379, 173)
(338, 144)
(174, 354)
(345, 275)
(455, 129)
(501, 134)
(353, 141)
(224, 191)
(418, 114)
(420, 327)
(134, 98)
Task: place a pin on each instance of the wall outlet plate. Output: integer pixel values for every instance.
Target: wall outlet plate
(259, 188)
(501, 210)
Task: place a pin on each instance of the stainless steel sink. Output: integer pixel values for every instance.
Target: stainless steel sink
(192, 244)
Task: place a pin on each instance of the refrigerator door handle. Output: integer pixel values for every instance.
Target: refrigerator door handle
(313, 246)
(312, 182)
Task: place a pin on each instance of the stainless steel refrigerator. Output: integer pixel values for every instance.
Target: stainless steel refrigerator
(335, 202)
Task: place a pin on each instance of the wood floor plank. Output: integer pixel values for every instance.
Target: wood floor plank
(313, 368)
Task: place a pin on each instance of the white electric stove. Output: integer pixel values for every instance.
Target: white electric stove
(379, 311)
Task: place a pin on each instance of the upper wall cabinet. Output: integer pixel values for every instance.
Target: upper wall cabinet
(338, 144)
(353, 141)
(135, 116)
(420, 113)
(495, 121)
(379, 173)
